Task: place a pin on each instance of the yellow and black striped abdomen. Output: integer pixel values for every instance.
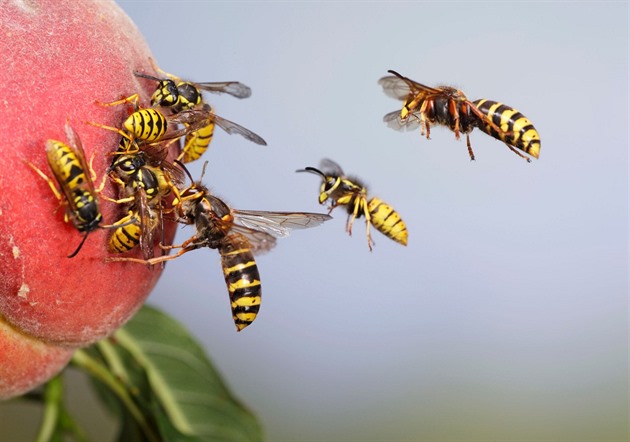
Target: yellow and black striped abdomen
(126, 237)
(516, 129)
(242, 279)
(66, 165)
(387, 221)
(197, 143)
(146, 124)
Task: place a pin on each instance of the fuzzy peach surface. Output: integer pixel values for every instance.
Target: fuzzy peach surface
(59, 57)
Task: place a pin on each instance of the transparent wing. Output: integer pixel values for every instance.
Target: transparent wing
(400, 87)
(278, 224)
(77, 147)
(148, 225)
(395, 87)
(394, 121)
(259, 242)
(329, 167)
(233, 128)
(233, 88)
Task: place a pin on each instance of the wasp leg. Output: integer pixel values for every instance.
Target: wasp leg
(529, 160)
(152, 261)
(50, 182)
(352, 217)
(368, 222)
(452, 109)
(470, 151)
(113, 129)
(488, 120)
(130, 99)
(157, 69)
(425, 127)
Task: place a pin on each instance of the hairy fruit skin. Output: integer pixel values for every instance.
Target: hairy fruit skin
(59, 57)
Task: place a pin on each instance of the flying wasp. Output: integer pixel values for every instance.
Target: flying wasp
(237, 235)
(342, 190)
(426, 106)
(179, 95)
(69, 167)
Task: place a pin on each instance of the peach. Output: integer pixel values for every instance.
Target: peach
(59, 57)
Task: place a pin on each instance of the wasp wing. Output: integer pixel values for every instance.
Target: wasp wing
(329, 167)
(77, 147)
(395, 87)
(148, 224)
(393, 120)
(233, 88)
(278, 224)
(259, 242)
(233, 128)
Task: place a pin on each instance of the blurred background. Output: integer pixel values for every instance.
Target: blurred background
(506, 317)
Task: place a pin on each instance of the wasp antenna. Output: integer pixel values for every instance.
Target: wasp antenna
(203, 171)
(185, 169)
(393, 72)
(147, 76)
(312, 170)
(73, 254)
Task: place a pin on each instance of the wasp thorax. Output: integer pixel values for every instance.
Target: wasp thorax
(189, 96)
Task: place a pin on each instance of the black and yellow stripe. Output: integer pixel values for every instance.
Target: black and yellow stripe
(242, 279)
(516, 130)
(197, 143)
(66, 165)
(387, 221)
(127, 235)
(146, 124)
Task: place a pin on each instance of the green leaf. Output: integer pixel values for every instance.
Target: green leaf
(172, 384)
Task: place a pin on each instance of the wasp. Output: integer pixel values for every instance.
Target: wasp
(237, 235)
(426, 106)
(144, 182)
(179, 95)
(342, 190)
(69, 167)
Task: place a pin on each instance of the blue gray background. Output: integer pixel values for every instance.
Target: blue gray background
(505, 318)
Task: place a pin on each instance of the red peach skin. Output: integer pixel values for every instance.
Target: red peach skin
(59, 57)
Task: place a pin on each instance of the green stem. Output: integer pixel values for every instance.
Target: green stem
(82, 360)
(113, 361)
(53, 393)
